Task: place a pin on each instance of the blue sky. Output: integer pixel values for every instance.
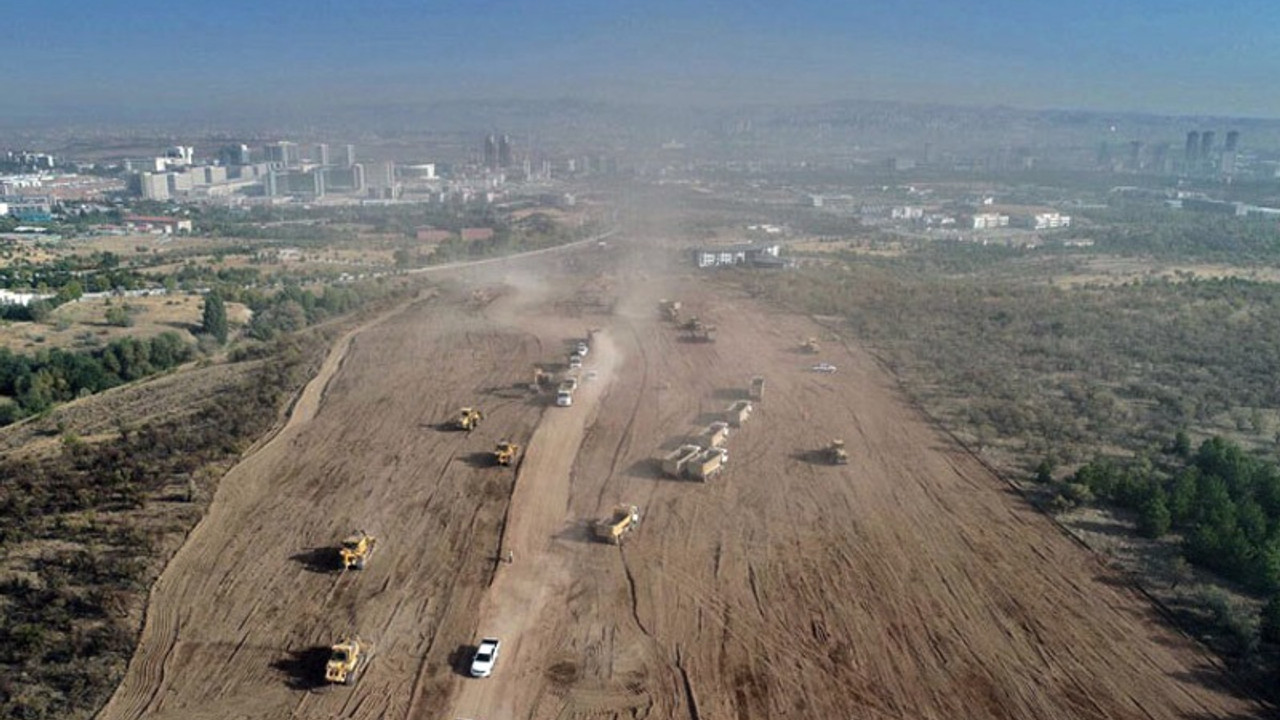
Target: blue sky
(1175, 57)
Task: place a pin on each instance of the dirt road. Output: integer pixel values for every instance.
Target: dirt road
(909, 583)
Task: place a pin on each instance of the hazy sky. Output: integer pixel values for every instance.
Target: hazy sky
(73, 56)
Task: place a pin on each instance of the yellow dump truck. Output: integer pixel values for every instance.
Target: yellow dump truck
(468, 419)
(810, 346)
(714, 435)
(707, 464)
(504, 453)
(615, 527)
(738, 413)
(669, 309)
(673, 462)
(356, 549)
(346, 659)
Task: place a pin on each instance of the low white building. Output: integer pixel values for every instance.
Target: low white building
(989, 221)
(1050, 221)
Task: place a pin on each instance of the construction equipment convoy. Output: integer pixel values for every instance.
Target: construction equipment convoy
(346, 659)
(504, 453)
(468, 419)
(836, 454)
(614, 528)
(673, 463)
(356, 549)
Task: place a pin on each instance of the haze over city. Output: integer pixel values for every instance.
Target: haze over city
(146, 58)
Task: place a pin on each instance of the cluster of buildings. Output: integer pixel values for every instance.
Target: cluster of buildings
(1201, 156)
(278, 169)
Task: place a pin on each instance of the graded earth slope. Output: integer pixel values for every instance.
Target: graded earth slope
(909, 583)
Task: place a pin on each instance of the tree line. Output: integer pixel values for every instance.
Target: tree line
(35, 383)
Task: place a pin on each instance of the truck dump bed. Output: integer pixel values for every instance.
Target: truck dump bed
(738, 413)
(673, 462)
(714, 435)
(706, 464)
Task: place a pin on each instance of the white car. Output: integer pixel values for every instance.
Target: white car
(564, 398)
(485, 658)
(824, 368)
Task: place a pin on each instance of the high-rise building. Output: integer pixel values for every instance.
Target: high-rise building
(1135, 154)
(1193, 146)
(321, 155)
(283, 153)
(504, 152)
(491, 152)
(1233, 140)
(230, 155)
(1206, 144)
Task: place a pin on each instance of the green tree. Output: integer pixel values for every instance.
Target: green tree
(1270, 620)
(118, 315)
(214, 321)
(69, 292)
(1154, 518)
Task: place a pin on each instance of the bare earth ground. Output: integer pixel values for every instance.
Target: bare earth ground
(910, 583)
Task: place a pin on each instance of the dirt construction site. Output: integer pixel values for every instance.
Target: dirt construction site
(909, 583)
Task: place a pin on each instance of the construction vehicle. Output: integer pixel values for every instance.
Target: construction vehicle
(669, 309)
(714, 435)
(504, 453)
(707, 464)
(698, 330)
(737, 413)
(756, 391)
(836, 454)
(468, 419)
(620, 522)
(346, 659)
(673, 463)
(810, 346)
(356, 549)
(542, 380)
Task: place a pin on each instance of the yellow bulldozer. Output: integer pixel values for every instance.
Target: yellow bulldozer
(346, 660)
(836, 454)
(810, 346)
(468, 419)
(504, 453)
(356, 549)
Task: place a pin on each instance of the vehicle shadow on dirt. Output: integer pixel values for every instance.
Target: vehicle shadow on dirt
(304, 669)
(460, 659)
(322, 560)
(578, 531)
(709, 417)
(479, 460)
(817, 456)
(730, 393)
(647, 469)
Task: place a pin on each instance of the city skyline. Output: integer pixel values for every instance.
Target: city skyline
(114, 58)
